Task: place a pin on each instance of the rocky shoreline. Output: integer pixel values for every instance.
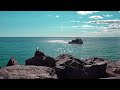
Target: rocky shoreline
(64, 66)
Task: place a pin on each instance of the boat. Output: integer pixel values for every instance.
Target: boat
(76, 41)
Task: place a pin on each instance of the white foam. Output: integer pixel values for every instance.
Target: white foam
(58, 41)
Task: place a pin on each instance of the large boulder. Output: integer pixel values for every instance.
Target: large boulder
(68, 67)
(27, 72)
(94, 60)
(39, 55)
(95, 71)
(113, 68)
(69, 72)
(66, 59)
(40, 59)
(12, 61)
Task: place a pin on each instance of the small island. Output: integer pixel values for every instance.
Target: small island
(76, 41)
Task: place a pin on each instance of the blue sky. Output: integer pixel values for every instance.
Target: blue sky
(59, 23)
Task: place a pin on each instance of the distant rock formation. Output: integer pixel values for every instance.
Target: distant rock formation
(12, 61)
(40, 59)
(27, 72)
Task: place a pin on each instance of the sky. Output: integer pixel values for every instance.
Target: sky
(59, 23)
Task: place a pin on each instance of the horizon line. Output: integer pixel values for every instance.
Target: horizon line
(38, 36)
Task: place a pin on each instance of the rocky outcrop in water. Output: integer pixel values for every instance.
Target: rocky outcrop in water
(27, 72)
(12, 61)
(40, 59)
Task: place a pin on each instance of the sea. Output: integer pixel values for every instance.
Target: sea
(23, 48)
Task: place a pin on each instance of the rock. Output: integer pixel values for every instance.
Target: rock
(116, 70)
(66, 59)
(40, 59)
(94, 60)
(69, 72)
(68, 67)
(117, 77)
(39, 54)
(48, 61)
(12, 61)
(96, 71)
(27, 72)
(113, 68)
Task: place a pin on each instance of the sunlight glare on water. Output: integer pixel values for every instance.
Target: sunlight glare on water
(58, 41)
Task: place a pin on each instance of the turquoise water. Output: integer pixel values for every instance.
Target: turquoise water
(23, 48)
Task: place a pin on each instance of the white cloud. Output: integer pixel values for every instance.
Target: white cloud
(114, 26)
(65, 27)
(74, 26)
(105, 21)
(87, 26)
(107, 15)
(84, 31)
(86, 12)
(96, 17)
(101, 27)
(57, 16)
(75, 21)
(110, 28)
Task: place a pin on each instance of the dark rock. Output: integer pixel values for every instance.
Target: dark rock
(68, 67)
(12, 61)
(69, 72)
(113, 68)
(94, 60)
(48, 61)
(27, 72)
(41, 60)
(96, 71)
(116, 70)
(60, 71)
(66, 59)
(39, 54)
(117, 77)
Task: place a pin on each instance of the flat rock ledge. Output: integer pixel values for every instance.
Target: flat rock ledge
(27, 72)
